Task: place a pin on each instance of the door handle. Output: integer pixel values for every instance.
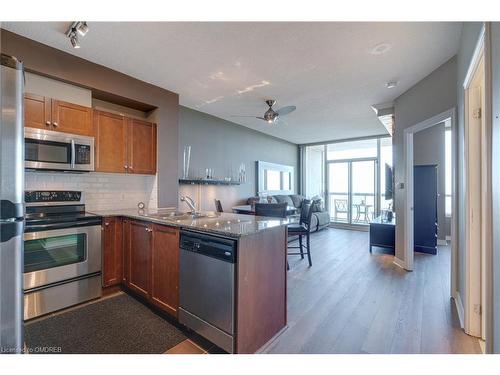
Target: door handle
(55, 124)
(47, 123)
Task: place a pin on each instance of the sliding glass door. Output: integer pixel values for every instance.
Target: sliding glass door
(350, 176)
(351, 191)
(362, 191)
(338, 192)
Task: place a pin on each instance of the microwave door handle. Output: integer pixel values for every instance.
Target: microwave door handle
(73, 151)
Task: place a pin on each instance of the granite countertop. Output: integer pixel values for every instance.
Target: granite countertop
(227, 224)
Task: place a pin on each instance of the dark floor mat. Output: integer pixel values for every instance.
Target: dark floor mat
(115, 325)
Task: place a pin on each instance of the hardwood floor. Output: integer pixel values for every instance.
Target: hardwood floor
(351, 301)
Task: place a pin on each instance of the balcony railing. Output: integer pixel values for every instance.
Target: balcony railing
(362, 208)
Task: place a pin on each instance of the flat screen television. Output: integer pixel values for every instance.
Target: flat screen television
(388, 182)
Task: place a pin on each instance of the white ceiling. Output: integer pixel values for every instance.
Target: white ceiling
(326, 69)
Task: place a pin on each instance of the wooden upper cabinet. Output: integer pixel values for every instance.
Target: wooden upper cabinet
(165, 268)
(110, 132)
(138, 247)
(37, 111)
(112, 260)
(141, 147)
(71, 118)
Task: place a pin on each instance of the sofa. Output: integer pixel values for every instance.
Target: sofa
(320, 218)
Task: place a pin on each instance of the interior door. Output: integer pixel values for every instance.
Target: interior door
(338, 192)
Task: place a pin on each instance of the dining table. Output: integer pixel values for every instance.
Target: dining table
(248, 209)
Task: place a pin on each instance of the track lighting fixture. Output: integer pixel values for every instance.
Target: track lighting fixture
(77, 28)
(74, 41)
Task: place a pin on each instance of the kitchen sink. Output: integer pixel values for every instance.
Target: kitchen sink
(175, 215)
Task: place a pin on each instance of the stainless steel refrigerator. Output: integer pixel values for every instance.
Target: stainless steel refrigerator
(11, 205)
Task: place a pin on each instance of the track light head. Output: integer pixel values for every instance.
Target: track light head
(82, 28)
(74, 40)
(77, 28)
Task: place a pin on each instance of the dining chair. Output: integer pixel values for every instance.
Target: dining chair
(302, 228)
(218, 205)
(271, 209)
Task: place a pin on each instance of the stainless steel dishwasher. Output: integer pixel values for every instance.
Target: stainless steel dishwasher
(206, 286)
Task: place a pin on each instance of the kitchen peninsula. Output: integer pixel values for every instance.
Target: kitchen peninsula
(234, 266)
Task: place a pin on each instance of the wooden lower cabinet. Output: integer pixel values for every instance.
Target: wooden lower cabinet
(137, 250)
(151, 263)
(165, 268)
(112, 251)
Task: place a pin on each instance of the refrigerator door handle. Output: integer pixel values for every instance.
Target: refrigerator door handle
(10, 210)
(11, 229)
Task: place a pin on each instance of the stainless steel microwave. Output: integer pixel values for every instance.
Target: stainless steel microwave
(50, 150)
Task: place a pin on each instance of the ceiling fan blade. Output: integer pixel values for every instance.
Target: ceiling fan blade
(280, 121)
(260, 118)
(286, 110)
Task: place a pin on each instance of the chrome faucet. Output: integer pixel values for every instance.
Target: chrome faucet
(190, 202)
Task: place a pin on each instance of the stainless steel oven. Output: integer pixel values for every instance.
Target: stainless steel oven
(50, 150)
(62, 253)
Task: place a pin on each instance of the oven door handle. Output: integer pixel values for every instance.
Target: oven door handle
(73, 152)
(44, 227)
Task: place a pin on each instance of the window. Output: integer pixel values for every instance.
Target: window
(352, 150)
(447, 171)
(314, 171)
(350, 177)
(385, 158)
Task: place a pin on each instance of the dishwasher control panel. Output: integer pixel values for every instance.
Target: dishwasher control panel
(216, 247)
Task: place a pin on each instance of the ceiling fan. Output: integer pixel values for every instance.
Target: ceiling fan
(271, 116)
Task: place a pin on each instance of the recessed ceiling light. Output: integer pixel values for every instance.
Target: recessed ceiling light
(391, 84)
(381, 48)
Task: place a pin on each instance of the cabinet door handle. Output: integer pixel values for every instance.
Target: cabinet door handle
(47, 123)
(126, 166)
(55, 124)
(106, 224)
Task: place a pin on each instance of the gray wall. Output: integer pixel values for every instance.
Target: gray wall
(428, 149)
(433, 95)
(223, 146)
(495, 67)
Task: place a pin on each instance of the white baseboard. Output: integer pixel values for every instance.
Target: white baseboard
(398, 262)
(442, 242)
(460, 308)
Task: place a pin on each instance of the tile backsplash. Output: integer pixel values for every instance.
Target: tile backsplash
(100, 191)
